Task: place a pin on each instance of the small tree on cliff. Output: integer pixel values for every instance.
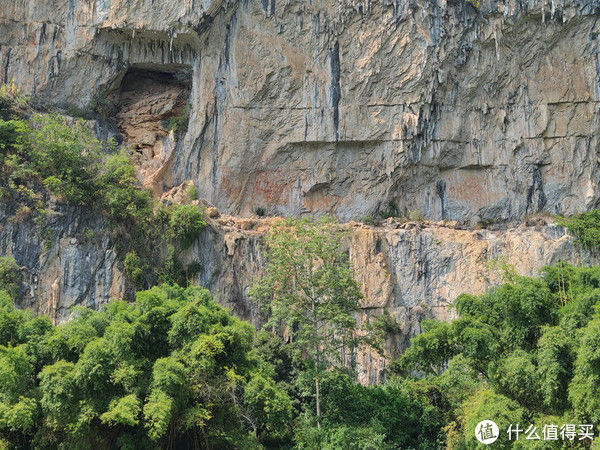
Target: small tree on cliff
(309, 291)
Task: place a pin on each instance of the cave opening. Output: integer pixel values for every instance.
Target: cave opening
(152, 115)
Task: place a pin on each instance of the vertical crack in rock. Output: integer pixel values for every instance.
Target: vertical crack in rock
(335, 87)
(54, 65)
(440, 188)
(40, 49)
(537, 185)
(269, 7)
(428, 116)
(220, 100)
(215, 151)
(594, 37)
(6, 65)
(70, 24)
(198, 144)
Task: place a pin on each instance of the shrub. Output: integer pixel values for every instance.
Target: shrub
(178, 124)
(193, 268)
(10, 276)
(390, 211)
(12, 137)
(5, 105)
(585, 227)
(83, 113)
(22, 213)
(193, 192)
(133, 268)
(405, 417)
(370, 220)
(172, 270)
(186, 223)
(102, 106)
(12, 100)
(66, 156)
(413, 215)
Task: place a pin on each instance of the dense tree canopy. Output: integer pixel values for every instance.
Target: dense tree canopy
(524, 353)
(173, 367)
(175, 370)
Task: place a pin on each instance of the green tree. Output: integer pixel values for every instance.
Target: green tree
(523, 352)
(66, 156)
(585, 227)
(187, 221)
(398, 414)
(584, 390)
(171, 368)
(309, 291)
(10, 276)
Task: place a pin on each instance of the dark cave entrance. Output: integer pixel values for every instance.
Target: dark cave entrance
(152, 115)
(151, 100)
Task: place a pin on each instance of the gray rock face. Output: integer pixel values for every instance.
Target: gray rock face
(71, 261)
(298, 107)
(412, 270)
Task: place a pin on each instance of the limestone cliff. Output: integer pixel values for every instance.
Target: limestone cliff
(458, 112)
(453, 112)
(412, 270)
(71, 261)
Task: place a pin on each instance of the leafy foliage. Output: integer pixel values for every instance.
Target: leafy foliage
(585, 227)
(171, 367)
(179, 124)
(64, 156)
(521, 353)
(396, 415)
(45, 153)
(102, 106)
(186, 222)
(309, 292)
(10, 276)
(309, 289)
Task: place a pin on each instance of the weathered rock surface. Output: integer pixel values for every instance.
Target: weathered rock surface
(71, 261)
(412, 270)
(457, 112)
(146, 103)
